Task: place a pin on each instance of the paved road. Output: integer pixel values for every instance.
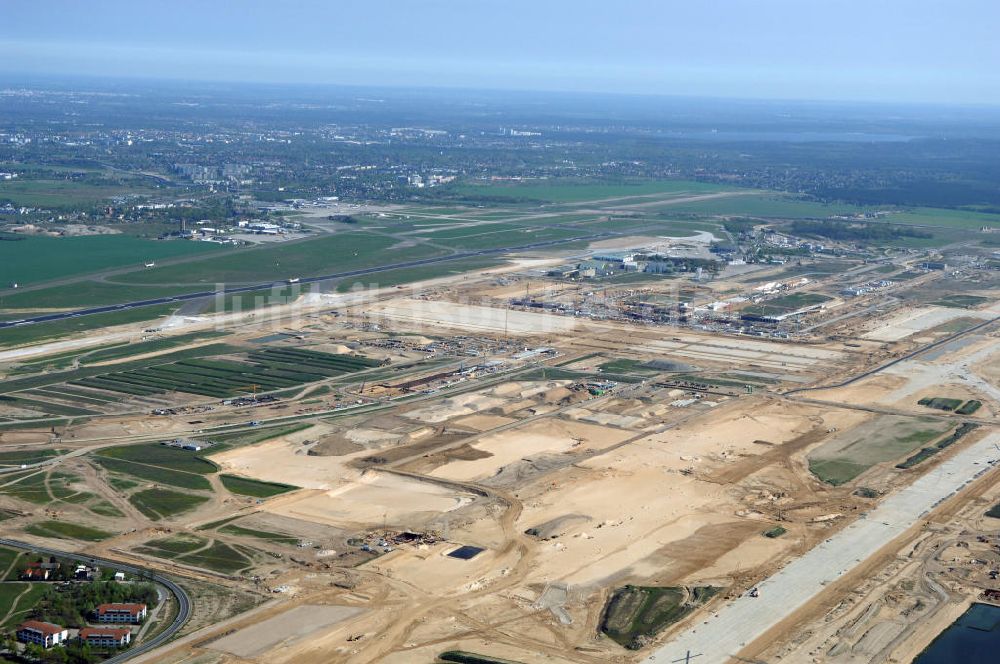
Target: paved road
(305, 280)
(183, 601)
(734, 626)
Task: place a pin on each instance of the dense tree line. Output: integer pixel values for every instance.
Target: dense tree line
(847, 231)
(71, 605)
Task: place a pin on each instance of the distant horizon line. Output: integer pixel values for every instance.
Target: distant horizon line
(8, 77)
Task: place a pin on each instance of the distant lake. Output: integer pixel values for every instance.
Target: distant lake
(972, 639)
(791, 136)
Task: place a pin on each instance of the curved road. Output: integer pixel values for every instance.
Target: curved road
(305, 280)
(183, 601)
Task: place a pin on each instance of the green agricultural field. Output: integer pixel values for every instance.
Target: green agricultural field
(577, 191)
(44, 408)
(35, 259)
(77, 375)
(199, 552)
(268, 369)
(41, 487)
(153, 346)
(165, 456)
(850, 453)
(153, 474)
(178, 544)
(8, 459)
(221, 522)
(104, 508)
(163, 503)
(255, 488)
(278, 538)
(65, 530)
(220, 557)
(635, 614)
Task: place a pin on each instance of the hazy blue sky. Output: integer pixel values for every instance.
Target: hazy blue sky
(894, 50)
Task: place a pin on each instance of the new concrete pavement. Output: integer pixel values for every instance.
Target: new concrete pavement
(719, 638)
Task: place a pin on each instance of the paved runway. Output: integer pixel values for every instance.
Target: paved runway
(745, 619)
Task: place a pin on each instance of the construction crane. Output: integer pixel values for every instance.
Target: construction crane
(253, 389)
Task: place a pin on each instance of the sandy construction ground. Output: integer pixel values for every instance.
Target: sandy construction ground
(340, 495)
(548, 436)
(472, 317)
(373, 498)
(919, 319)
(285, 629)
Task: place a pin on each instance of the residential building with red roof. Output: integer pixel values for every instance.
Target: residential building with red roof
(106, 637)
(45, 634)
(121, 613)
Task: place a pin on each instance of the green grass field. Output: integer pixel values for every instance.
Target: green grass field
(314, 256)
(163, 503)
(237, 438)
(941, 403)
(961, 301)
(43, 408)
(767, 206)
(164, 456)
(28, 456)
(19, 599)
(65, 530)
(13, 336)
(84, 293)
(153, 473)
(247, 487)
(636, 613)
(42, 488)
(63, 193)
(142, 347)
(785, 304)
(37, 259)
(268, 369)
(200, 552)
(952, 219)
(887, 437)
(7, 560)
(178, 544)
(220, 557)
(576, 191)
(413, 274)
(259, 534)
